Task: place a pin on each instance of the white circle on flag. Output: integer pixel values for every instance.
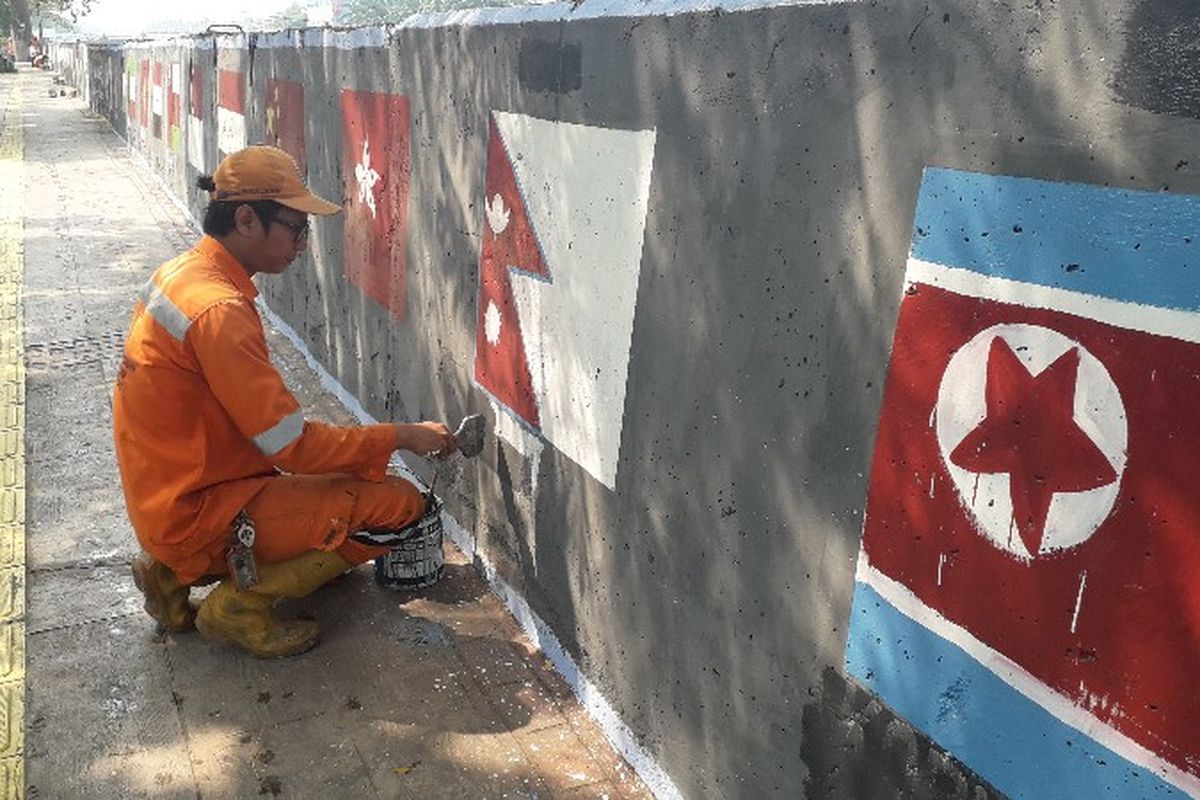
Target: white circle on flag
(491, 323)
(1098, 411)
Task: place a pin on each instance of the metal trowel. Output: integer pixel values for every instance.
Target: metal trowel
(468, 440)
(469, 436)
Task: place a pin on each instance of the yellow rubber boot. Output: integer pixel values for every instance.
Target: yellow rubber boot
(166, 597)
(245, 620)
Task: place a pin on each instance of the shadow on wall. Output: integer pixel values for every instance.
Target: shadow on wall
(1161, 68)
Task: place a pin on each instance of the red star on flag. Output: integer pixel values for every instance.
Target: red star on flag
(1030, 433)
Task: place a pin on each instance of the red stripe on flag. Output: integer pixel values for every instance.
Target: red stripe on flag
(231, 90)
(144, 91)
(196, 93)
(174, 101)
(284, 122)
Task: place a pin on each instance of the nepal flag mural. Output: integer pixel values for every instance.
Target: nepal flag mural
(1028, 591)
(564, 217)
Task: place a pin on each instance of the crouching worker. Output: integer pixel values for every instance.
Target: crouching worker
(223, 477)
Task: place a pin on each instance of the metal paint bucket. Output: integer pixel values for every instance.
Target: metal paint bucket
(418, 561)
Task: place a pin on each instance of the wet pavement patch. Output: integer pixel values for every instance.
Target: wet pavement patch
(422, 633)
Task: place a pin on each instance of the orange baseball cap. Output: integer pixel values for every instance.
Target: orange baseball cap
(263, 172)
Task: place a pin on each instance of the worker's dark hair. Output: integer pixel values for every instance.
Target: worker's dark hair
(218, 217)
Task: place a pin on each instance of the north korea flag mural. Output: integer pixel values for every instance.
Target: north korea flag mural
(375, 163)
(285, 119)
(157, 100)
(231, 111)
(195, 125)
(564, 217)
(1027, 591)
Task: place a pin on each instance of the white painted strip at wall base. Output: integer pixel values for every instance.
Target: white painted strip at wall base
(1182, 325)
(1019, 678)
(619, 735)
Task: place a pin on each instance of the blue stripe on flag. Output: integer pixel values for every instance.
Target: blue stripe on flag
(1138, 247)
(1009, 740)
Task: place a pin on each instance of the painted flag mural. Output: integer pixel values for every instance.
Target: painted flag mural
(157, 100)
(564, 218)
(231, 111)
(131, 87)
(375, 165)
(175, 105)
(285, 119)
(144, 94)
(195, 124)
(1027, 590)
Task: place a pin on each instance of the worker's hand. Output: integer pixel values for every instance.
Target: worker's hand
(425, 438)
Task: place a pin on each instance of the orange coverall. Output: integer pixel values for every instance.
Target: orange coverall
(204, 427)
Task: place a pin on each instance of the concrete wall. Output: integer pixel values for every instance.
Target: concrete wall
(713, 215)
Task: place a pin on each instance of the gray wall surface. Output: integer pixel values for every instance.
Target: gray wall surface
(707, 592)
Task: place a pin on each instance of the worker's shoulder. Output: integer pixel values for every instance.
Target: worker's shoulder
(196, 284)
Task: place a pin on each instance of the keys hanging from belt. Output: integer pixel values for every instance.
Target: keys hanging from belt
(242, 567)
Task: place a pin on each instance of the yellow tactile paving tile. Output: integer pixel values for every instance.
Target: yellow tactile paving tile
(12, 778)
(12, 452)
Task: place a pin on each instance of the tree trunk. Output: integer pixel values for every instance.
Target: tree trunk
(22, 29)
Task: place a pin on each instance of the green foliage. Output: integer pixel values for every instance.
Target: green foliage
(27, 16)
(53, 19)
(372, 12)
(294, 16)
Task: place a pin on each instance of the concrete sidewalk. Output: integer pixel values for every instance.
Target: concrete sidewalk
(437, 695)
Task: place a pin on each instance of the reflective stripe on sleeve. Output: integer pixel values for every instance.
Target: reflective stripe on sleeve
(280, 435)
(164, 312)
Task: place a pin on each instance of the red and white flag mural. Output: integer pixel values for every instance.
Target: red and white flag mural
(174, 105)
(231, 111)
(195, 127)
(285, 119)
(131, 87)
(144, 94)
(375, 165)
(565, 214)
(156, 100)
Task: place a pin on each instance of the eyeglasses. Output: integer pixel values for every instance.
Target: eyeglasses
(299, 229)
